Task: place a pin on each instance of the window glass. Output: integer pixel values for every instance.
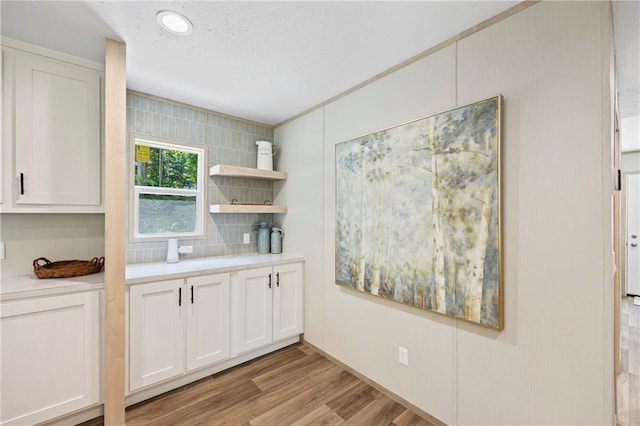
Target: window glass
(159, 214)
(166, 168)
(168, 198)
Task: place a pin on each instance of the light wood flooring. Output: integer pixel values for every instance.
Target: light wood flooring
(628, 382)
(293, 386)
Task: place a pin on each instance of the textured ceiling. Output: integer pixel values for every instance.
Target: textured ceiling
(268, 61)
(264, 61)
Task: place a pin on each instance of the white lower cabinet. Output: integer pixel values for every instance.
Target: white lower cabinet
(267, 306)
(288, 301)
(207, 320)
(183, 329)
(176, 326)
(156, 332)
(49, 357)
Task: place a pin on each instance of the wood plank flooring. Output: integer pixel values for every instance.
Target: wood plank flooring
(293, 386)
(628, 381)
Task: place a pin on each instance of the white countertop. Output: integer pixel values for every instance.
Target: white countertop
(146, 272)
(28, 285)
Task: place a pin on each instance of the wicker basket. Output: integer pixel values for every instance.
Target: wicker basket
(66, 268)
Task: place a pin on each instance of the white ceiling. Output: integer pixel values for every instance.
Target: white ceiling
(268, 61)
(263, 61)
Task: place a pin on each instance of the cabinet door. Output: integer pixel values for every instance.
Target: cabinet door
(253, 310)
(288, 301)
(57, 132)
(156, 332)
(207, 320)
(49, 360)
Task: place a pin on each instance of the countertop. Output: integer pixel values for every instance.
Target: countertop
(27, 285)
(145, 272)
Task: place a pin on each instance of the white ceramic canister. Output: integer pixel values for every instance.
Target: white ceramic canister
(265, 155)
(277, 235)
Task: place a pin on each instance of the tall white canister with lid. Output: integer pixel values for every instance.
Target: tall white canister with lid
(265, 155)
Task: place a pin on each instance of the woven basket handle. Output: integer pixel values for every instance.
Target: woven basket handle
(36, 265)
(97, 261)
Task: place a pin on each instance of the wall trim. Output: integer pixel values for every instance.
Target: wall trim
(435, 421)
(466, 33)
(61, 56)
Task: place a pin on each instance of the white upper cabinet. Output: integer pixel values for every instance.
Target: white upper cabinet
(52, 138)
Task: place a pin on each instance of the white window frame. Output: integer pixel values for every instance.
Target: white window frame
(136, 191)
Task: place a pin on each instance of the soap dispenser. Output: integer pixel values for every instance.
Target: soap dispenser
(172, 251)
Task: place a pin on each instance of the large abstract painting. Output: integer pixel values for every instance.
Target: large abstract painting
(418, 213)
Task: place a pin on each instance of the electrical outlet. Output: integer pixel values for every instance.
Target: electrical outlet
(185, 249)
(2, 253)
(403, 355)
(246, 238)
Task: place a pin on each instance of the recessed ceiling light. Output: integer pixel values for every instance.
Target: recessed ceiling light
(174, 22)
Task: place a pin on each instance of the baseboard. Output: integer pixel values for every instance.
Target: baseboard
(77, 417)
(375, 385)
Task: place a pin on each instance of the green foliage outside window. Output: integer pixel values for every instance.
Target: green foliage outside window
(168, 189)
(168, 168)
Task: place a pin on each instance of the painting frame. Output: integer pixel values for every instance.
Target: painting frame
(443, 172)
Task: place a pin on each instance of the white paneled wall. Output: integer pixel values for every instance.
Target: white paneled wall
(552, 364)
(549, 71)
(302, 225)
(374, 328)
(630, 134)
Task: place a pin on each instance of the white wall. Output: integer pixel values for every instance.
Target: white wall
(630, 162)
(54, 236)
(302, 225)
(630, 134)
(547, 62)
(553, 361)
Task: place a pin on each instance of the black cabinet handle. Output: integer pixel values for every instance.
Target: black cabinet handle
(192, 295)
(269, 280)
(21, 183)
(278, 279)
(180, 296)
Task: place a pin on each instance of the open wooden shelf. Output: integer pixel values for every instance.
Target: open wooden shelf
(239, 208)
(246, 172)
(235, 171)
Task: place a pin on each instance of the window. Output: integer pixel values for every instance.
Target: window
(168, 190)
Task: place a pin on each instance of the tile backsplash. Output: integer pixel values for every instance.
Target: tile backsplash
(229, 141)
